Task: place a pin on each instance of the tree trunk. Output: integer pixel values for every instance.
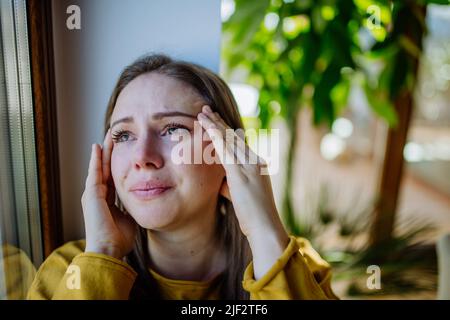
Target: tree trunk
(389, 187)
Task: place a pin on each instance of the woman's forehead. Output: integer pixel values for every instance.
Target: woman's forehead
(155, 93)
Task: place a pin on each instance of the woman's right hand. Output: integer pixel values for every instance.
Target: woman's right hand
(108, 230)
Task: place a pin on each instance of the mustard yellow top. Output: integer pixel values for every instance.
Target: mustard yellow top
(299, 273)
(16, 273)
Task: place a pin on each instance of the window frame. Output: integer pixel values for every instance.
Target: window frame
(40, 30)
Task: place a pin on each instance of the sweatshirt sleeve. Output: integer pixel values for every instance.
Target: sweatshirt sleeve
(299, 273)
(82, 276)
(18, 273)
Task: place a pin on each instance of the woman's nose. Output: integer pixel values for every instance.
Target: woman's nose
(147, 154)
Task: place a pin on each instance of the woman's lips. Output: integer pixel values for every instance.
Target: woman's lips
(149, 189)
(148, 194)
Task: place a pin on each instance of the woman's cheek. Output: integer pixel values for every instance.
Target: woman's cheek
(118, 166)
(210, 172)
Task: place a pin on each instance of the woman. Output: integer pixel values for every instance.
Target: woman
(183, 231)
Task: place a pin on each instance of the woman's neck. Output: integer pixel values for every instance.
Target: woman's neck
(193, 253)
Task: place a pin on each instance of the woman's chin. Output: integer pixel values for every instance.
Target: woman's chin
(153, 219)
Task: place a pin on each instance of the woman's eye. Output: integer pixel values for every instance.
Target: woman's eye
(171, 129)
(122, 136)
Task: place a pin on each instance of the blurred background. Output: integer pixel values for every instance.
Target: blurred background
(358, 89)
(360, 92)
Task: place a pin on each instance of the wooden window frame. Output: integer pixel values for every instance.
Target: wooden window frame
(39, 16)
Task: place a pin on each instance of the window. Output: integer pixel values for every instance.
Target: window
(20, 226)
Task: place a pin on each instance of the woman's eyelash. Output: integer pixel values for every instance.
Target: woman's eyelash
(117, 136)
(174, 125)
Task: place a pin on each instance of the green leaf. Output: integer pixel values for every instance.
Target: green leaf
(246, 21)
(339, 95)
(324, 111)
(381, 105)
(437, 1)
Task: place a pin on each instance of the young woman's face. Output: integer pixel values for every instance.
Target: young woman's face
(158, 193)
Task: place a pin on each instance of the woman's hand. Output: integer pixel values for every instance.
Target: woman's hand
(250, 192)
(108, 230)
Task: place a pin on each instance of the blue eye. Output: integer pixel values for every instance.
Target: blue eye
(172, 128)
(121, 136)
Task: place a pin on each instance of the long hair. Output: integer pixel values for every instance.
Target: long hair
(216, 94)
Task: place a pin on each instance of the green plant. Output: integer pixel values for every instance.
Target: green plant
(407, 262)
(305, 52)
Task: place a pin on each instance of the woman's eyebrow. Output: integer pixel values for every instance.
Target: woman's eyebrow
(126, 120)
(156, 116)
(160, 115)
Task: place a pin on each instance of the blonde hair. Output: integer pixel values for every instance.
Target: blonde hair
(216, 94)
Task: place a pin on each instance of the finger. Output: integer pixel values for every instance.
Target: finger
(106, 156)
(111, 195)
(106, 168)
(237, 146)
(233, 140)
(95, 168)
(227, 133)
(242, 150)
(215, 117)
(226, 155)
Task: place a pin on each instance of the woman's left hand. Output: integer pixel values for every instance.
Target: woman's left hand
(248, 190)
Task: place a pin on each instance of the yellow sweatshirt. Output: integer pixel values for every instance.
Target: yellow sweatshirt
(299, 273)
(16, 273)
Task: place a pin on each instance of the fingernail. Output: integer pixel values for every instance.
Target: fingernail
(207, 109)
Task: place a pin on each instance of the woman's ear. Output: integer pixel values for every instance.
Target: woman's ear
(224, 191)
